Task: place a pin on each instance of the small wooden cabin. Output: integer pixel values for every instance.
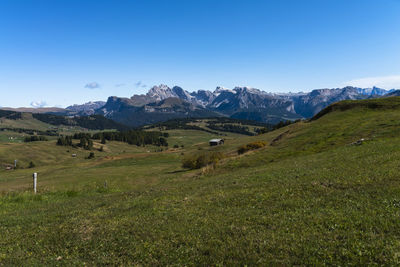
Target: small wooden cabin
(216, 142)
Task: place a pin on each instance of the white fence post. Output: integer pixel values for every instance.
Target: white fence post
(34, 182)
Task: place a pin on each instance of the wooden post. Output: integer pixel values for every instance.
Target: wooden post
(34, 182)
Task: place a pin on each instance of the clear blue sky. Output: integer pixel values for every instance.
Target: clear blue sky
(53, 51)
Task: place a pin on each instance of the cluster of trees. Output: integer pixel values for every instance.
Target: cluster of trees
(85, 140)
(35, 138)
(30, 131)
(86, 143)
(132, 137)
(65, 141)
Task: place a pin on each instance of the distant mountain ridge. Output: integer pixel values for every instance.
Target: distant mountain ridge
(88, 108)
(239, 102)
(54, 110)
(162, 103)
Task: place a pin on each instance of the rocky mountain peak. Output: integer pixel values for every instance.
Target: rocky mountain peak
(180, 93)
(160, 92)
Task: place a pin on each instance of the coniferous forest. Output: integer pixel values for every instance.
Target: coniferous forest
(132, 137)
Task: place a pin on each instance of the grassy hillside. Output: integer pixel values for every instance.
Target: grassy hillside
(214, 125)
(15, 126)
(26, 121)
(52, 122)
(307, 198)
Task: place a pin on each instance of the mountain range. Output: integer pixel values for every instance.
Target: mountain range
(162, 103)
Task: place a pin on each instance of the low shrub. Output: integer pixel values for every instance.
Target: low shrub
(251, 146)
(197, 161)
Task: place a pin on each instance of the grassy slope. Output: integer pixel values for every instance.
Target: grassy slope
(203, 124)
(6, 135)
(27, 122)
(310, 198)
(58, 170)
(30, 123)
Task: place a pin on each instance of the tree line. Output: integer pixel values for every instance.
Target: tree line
(35, 138)
(30, 131)
(132, 137)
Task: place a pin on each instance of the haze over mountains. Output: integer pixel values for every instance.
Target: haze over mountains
(162, 103)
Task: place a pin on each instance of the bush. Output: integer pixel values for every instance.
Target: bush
(31, 165)
(91, 155)
(251, 146)
(197, 161)
(176, 146)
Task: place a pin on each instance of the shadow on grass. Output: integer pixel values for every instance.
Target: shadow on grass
(177, 171)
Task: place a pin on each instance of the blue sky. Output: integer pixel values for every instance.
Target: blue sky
(58, 53)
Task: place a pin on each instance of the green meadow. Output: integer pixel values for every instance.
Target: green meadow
(309, 197)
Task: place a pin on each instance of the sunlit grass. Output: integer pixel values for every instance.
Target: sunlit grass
(310, 198)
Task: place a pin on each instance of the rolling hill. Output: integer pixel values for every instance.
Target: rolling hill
(321, 192)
